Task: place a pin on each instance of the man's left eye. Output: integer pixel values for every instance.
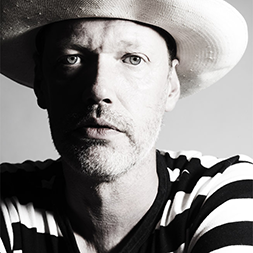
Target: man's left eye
(133, 59)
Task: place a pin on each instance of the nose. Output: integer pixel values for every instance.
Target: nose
(100, 93)
(101, 88)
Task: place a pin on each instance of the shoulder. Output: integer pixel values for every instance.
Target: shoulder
(197, 165)
(210, 197)
(26, 166)
(27, 204)
(27, 177)
(193, 175)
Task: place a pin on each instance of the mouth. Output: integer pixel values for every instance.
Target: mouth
(96, 129)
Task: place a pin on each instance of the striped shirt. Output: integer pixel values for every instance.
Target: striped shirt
(204, 204)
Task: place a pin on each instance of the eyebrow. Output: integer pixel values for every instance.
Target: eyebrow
(131, 46)
(127, 43)
(66, 43)
(78, 47)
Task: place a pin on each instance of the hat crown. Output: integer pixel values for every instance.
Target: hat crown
(211, 35)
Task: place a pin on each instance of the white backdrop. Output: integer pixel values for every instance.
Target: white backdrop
(217, 121)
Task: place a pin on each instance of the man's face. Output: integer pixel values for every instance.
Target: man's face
(106, 85)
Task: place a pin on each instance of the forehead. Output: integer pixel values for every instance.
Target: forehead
(93, 32)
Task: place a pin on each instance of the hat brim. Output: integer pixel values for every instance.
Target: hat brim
(211, 35)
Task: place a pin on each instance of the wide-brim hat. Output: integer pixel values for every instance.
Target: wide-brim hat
(211, 35)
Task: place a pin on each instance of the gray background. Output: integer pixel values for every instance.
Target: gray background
(217, 121)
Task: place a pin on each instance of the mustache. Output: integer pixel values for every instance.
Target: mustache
(100, 114)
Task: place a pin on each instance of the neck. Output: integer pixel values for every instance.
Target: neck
(104, 213)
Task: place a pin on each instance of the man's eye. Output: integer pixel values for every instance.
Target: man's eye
(72, 60)
(133, 59)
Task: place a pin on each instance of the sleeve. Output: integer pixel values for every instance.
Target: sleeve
(224, 222)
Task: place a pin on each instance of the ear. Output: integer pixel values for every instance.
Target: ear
(174, 87)
(39, 86)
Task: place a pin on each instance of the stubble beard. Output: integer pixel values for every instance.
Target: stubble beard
(99, 159)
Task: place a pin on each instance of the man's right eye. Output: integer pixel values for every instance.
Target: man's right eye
(73, 59)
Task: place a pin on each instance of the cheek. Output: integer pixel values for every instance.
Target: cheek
(64, 97)
(144, 95)
(147, 108)
(63, 93)
(62, 102)
(146, 78)
(151, 91)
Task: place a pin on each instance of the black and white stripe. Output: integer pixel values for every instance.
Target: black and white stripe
(204, 204)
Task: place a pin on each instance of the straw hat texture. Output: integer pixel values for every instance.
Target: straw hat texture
(211, 35)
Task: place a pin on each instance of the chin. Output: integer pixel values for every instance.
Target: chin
(104, 160)
(100, 161)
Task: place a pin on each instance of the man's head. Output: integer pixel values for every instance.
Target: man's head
(106, 85)
(103, 70)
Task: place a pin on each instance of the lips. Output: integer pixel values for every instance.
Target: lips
(98, 123)
(96, 129)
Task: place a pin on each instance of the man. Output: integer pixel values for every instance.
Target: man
(106, 72)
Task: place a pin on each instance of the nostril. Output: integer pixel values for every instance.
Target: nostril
(107, 100)
(92, 101)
